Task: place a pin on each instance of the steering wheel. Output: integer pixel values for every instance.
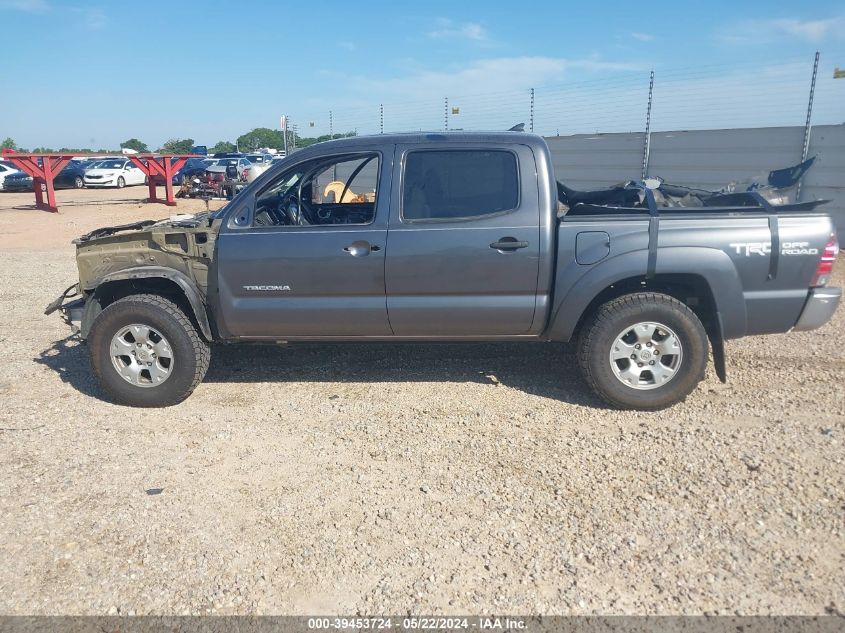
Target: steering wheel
(289, 206)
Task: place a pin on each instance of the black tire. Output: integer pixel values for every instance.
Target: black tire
(121, 183)
(601, 330)
(191, 354)
(78, 183)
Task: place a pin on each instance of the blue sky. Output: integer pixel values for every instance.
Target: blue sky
(93, 74)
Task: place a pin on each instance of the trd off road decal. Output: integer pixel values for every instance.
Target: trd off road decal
(765, 248)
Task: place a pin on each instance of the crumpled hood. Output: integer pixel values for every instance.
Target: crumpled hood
(183, 243)
(181, 220)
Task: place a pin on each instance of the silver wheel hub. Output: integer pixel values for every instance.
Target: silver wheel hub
(141, 355)
(646, 355)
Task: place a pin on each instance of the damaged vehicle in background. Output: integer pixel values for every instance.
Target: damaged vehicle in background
(192, 168)
(452, 237)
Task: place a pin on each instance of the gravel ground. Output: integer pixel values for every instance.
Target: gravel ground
(413, 478)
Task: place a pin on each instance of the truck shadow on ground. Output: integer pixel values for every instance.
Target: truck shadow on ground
(548, 370)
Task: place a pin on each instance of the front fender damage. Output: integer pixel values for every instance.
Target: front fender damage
(174, 255)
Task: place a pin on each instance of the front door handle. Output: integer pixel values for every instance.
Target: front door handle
(508, 244)
(361, 248)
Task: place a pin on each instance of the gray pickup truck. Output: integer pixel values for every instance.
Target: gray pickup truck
(451, 237)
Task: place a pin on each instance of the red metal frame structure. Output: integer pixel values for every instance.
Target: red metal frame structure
(42, 175)
(51, 164)
(160, 165)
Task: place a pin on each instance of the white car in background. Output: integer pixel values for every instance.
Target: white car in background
(114, 172)
(6, 168)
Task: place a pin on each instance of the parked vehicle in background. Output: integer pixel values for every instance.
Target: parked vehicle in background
(192, 168)
(254, 170)
(6, 169)
(258, 159)
(114, 172)
(240, 165)
(85, 163)
(72, 176)
(453, 237)
(202, 150)
(17, 181)
(227, 155)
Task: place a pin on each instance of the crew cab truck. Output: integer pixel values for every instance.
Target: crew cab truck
(449, 237)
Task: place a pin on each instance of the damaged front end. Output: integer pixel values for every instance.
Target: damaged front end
(169, 257)
(72, 310)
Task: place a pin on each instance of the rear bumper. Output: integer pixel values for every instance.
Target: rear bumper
(819, 309)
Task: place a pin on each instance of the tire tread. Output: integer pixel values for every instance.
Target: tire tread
(587, 343)
(201, 349)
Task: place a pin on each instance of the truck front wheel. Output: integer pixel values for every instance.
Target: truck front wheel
(145, 352)
(643, 351)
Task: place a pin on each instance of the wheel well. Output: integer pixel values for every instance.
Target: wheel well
(107, 293)
(691, 290)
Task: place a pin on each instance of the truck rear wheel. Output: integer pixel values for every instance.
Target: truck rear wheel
(146, 352)
(643, 351)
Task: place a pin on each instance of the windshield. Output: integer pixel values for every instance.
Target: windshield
(110, 164)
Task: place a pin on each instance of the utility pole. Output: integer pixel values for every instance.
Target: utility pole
(381, 118)
(647, 140)
(331, 130)
(446, 112)
(805, 147)
(531, 120)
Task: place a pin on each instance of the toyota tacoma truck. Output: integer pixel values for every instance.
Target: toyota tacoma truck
(452, 237)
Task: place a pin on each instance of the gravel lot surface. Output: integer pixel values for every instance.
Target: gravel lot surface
(414, 478)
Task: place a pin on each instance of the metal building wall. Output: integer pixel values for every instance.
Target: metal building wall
(707, 158)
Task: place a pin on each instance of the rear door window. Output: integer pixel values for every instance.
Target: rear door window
(449, 185)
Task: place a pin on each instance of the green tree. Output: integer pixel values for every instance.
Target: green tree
(305, 141)
(261, 137)
(177, 146)
(8, 143)
(223, 146)
(134, 143)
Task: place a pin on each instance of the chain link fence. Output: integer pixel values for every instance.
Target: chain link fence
(702, 97)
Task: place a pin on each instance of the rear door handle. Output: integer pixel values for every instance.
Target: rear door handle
(508, 244)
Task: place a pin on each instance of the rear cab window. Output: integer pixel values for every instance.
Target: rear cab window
(458, 184)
